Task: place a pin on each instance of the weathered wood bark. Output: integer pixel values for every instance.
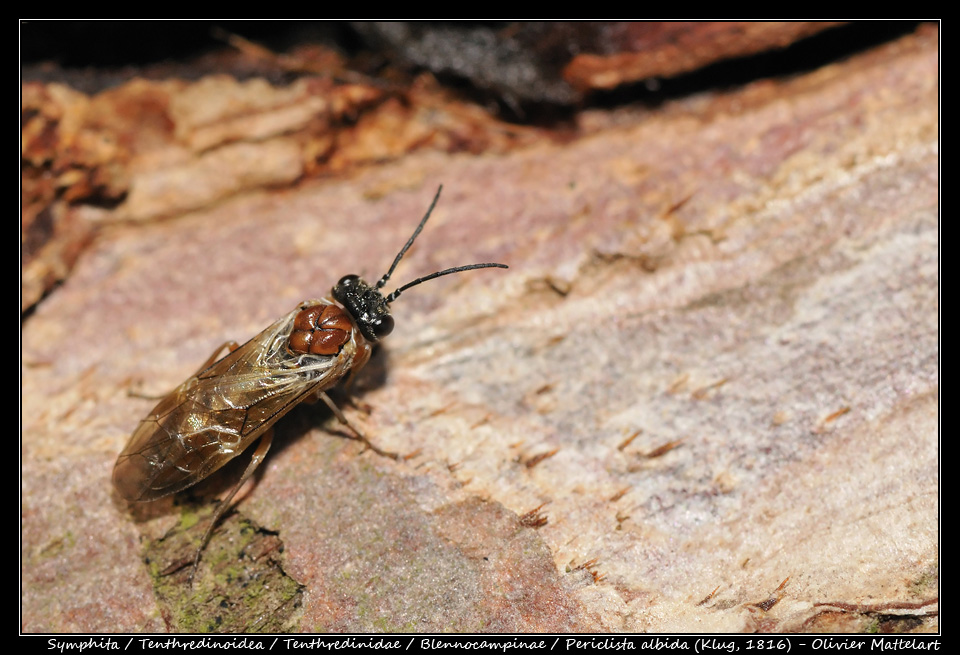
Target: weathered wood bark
(712, 366)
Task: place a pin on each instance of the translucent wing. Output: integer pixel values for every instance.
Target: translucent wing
(212, 417)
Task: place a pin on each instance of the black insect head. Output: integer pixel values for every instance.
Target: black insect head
(368, 306)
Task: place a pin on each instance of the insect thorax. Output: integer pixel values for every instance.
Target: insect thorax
(320, 330)
(283, 355)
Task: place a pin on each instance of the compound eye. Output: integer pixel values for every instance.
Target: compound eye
(383, 326)
(348, 281)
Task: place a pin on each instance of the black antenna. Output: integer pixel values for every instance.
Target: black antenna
(393, 296)
(423, 221)
(386, 276)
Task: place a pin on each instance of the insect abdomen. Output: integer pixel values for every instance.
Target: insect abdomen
(170, 450)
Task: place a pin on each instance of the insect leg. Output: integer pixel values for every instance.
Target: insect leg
(359, 435)
(231, 345)
(255, 461)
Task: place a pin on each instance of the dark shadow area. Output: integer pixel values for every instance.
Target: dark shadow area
(94, 55)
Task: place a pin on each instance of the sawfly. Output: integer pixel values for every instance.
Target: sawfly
(234, 401)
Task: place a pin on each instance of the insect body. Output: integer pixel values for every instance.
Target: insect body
(228, 404)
